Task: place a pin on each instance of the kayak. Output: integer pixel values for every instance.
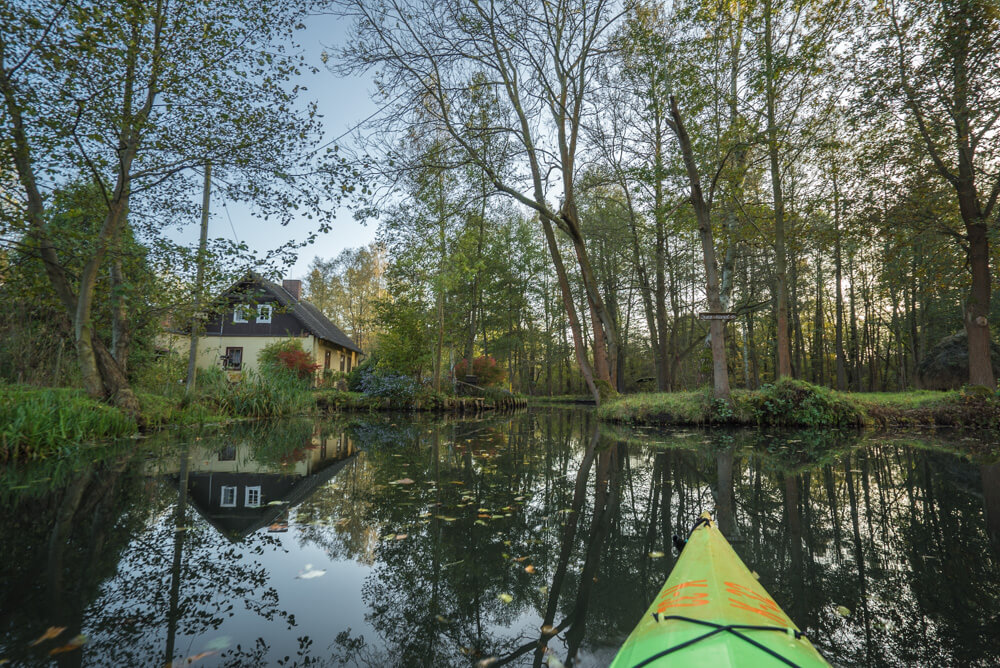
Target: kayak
(711, 612)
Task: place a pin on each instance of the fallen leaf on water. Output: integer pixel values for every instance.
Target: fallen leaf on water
(843, 611)
(276, 503)
(76, 643)
(486, 663)
(400, 536)
(656, 555)
(309, 573)
(481, 523)
(553, 661)
(187, 661)
(484, 515)
(506, 598)
(529, 569)
(402, 481)
(443, 619)
(52, 632)
(548, 630)
(520, 559)
(446, 518)
(484, 510)
(543, 590)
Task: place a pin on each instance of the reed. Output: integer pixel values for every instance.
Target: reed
(36, 423)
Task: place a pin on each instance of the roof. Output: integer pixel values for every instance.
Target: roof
(312, 318)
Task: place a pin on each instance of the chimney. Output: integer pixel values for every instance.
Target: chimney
(293, 287)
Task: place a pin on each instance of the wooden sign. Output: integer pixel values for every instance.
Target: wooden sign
(717, 316)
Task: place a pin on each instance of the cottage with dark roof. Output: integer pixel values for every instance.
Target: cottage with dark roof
(256, 312)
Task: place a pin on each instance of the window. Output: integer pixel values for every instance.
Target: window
(349, 356)
(227, 454)
(326, 360)
(240, 313)
(252, 497)
(233, 359)
(228, 497)
(263, 313)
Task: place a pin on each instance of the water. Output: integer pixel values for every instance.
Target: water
(384, 541)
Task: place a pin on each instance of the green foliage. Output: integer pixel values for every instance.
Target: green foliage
(258, 395)
(798, 403)
(485, 368)
(404, 342)
(37, 423)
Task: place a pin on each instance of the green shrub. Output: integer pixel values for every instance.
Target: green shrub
(36, 423)
(798, 403)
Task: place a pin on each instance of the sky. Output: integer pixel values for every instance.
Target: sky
(343, 103)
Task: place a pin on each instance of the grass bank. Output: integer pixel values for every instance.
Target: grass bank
(37, 423)
(793, 403)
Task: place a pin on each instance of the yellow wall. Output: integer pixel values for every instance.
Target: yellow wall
(211, 349)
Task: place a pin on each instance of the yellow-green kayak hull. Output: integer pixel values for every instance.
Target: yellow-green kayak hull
(709, 588)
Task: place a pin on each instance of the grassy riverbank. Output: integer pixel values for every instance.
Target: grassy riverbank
(793, 403)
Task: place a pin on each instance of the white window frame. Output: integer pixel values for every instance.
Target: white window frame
(222, 497)
(260, 310)
(246, 497)
(240, 314)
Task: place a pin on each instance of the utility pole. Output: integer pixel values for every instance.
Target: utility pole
(198, 282)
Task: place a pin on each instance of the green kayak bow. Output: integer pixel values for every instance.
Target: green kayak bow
(712, 612)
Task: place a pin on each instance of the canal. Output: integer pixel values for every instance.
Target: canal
(394, 540)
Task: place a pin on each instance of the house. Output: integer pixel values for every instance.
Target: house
(256, 312)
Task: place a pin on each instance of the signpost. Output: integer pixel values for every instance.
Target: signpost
(717, 316)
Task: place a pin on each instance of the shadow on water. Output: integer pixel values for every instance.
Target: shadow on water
(395, 540)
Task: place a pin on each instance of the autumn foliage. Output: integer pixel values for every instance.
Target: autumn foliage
(484, 367)
(298, 361)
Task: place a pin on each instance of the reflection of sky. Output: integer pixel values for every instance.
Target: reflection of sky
(343, 103)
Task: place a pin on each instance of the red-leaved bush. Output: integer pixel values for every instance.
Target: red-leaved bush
(484, 367)
(298, 361)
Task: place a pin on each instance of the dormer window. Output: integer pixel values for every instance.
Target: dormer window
(264, 313)
(240, 314)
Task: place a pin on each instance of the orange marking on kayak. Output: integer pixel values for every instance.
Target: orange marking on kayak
(692, 583)
(764, 611)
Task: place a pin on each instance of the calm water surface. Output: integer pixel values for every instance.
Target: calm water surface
(384, 541)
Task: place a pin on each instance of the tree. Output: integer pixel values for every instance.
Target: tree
(940, 62)
(137, 96)
(540, 63)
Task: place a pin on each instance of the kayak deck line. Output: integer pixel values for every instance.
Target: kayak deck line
(713, 611)
(719, 628)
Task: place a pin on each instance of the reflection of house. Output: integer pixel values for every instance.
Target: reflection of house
(238, 495)
(256, 313)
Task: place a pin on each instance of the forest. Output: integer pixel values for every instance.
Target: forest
(562, 190)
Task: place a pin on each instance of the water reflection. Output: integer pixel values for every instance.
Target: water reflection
(393, 541)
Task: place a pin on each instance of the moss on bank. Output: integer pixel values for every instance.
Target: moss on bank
(793, 403)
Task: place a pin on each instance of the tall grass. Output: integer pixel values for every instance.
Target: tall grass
(257, 395)
(36, 423)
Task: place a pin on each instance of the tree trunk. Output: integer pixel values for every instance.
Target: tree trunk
(570, 308)
(839, 276)
(784, 351)
(702, 209)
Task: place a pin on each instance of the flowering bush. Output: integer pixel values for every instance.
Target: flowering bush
(484, 367)
(287, 355)
(298, 361)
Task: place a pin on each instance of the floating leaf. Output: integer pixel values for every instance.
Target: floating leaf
(506, 598)
(443, 619)
(76, 643)
(400, 536)
(843, 611)
(402, 481)
(656, 555)
(481, 523)
(520, 559)
(548, 630)
(309, 573)
(52, 632)
(484, 516)
(487, 662)
(529, 569)
(219, 644)
(446, 518)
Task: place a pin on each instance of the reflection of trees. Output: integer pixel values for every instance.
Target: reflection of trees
(902, 535)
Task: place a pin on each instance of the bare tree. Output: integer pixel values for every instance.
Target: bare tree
(539, 60)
